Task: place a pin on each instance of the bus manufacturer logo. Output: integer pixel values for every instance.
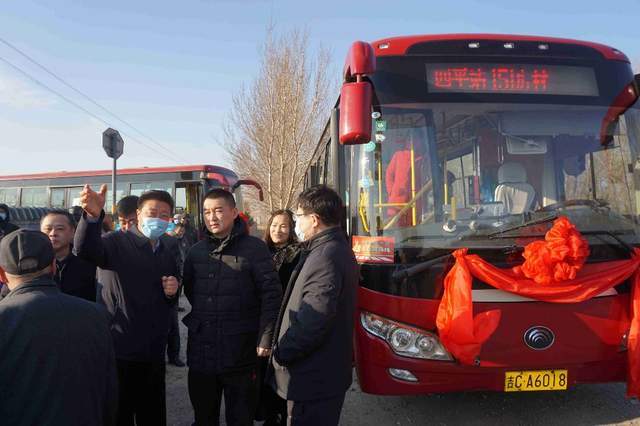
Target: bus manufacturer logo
(539, 338)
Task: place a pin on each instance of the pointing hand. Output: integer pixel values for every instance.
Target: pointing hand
(91, 201)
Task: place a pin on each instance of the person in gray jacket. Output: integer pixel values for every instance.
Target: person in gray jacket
(313, 353)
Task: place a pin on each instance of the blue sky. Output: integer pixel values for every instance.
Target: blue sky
(171, 68)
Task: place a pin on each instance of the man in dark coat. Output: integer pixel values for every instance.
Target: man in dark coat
(57, 365)
(6, 226)
(235, 293)
(75, 276)
(138, 295)
(313, 353)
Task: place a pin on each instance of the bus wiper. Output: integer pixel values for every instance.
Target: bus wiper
(524, 224)
(630, 249)
(404, 273)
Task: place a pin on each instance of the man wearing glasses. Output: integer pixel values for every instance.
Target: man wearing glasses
(313, 351)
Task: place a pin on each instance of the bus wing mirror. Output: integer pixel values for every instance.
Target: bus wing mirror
(619, 106)
(249, 182)
(355, 113)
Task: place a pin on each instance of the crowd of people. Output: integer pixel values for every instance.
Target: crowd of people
(90, 316)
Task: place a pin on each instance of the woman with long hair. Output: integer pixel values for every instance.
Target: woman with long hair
(283, 244)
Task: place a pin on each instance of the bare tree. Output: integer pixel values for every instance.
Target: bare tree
(274, 124)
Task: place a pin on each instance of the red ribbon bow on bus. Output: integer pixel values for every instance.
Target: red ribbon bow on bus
(553, 271)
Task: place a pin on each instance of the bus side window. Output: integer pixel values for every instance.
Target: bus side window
(9, 196)
(58, 197)
(34, 197)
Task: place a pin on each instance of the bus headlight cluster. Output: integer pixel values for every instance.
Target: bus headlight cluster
(405, 340)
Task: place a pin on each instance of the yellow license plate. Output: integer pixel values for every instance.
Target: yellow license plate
(542, 380)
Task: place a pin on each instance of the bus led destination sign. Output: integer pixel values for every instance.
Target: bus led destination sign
(511, 78)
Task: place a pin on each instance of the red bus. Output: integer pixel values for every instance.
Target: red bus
(32, 194)
(479, 142)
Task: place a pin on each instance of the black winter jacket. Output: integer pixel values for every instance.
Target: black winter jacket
(133, 293)
(234, 293)
(56, 359)
(76, 277)
(313, 354)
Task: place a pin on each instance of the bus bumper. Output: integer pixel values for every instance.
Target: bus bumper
(374, 359)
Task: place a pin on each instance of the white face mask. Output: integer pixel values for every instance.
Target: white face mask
(298, 231)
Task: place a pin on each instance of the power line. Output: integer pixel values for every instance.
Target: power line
(87, 97)
(80, 107)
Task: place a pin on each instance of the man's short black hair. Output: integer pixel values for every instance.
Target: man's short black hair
(127, 205)
(60, 212)
(221, 193)
(157, 195)
(323, 201)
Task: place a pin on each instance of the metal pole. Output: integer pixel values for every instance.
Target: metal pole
(113, 188)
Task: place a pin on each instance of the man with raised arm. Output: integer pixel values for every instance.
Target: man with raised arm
(144, 260)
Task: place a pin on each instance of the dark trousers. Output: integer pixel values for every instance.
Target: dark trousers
(322, 412)
(206, 390)
(173, 346)
(142, 393)
(271, 408)
(275, 408)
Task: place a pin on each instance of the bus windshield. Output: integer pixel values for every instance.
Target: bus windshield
(449, 175)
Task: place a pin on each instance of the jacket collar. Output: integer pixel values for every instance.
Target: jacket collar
(42, 282)
(239, 229)
(333, 233)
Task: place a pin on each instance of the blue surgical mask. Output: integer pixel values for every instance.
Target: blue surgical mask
(171, 227)
(153, 227)
(3, 216)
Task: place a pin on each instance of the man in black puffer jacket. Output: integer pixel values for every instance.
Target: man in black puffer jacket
(235, 294)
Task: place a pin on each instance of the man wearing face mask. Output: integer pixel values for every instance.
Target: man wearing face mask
(235, 292)
(313, 351)
(143, 288)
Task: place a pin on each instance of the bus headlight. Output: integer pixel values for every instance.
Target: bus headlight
(404, 339)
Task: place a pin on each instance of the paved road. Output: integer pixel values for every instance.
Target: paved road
(583, 405)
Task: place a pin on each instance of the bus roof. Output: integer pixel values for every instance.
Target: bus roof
(399, 45)
(132, 171)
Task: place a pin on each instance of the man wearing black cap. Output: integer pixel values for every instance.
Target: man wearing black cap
(57, 365)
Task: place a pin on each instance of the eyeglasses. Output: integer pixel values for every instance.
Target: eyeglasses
(297, 216)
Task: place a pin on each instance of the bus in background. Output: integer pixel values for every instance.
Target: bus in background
(32, 194)
(478, 142)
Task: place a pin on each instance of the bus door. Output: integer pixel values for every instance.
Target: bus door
(188, 200)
